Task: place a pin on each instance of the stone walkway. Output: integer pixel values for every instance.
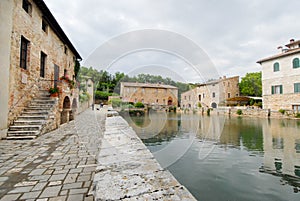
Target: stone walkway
(59, 165)
(128, 171)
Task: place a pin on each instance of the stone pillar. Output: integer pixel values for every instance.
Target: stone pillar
(6, 22)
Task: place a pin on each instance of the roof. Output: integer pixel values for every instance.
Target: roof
(147, 85)
(47, 15)
(293, 43)
(283, 54)
(211, 82)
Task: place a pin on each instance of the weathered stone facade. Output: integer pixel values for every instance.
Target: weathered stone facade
(150, 94)
(279, 90)
(45, 43)
(212, 93)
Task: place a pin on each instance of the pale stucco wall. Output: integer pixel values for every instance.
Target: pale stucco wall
(286, 76)
(6, 11)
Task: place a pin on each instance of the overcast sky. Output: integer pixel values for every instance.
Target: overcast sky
(233, 33)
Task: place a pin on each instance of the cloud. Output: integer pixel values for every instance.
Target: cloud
(234, 33)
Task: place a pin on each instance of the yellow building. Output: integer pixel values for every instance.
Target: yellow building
(149, 94)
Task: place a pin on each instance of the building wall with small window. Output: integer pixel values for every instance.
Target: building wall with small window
(280, 78)
(149, 94)
(34, 48)
(212, 93)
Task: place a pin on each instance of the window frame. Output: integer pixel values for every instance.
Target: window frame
(45, 26)
(297, 88)
(296, 63)
(24, 47)
(27, 7)
(43, 62)
(276, 67)
(274, 91)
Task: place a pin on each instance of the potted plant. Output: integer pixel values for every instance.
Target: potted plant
(54, 91)
(69, 81)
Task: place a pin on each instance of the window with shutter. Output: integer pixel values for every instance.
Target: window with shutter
(296, 63)
(276, 67)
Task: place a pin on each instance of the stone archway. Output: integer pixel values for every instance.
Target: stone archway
(214, 105)
(170, 101)
(73, 110)
(65, 111)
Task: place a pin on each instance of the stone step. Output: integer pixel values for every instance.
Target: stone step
(27, 137)
(36, 112)
(28, 122)
(25, 128)
(31, 117)
(21, 133)
(40, 106)
(45, 101)
(33, 109)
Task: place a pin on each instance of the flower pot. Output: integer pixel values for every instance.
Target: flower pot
(54, 95)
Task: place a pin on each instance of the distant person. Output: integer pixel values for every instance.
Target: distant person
(101, 105)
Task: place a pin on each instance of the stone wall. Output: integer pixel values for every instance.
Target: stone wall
(6, 12)
(159, 96)
(212, 92)
(24, 83)
(286, 76)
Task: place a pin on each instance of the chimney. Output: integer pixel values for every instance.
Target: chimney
(292, 40)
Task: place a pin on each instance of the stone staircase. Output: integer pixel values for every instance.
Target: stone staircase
(34, 117)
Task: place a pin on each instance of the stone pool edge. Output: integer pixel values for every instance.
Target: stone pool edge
(127, 170)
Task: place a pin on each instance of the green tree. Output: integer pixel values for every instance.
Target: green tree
(251, 84)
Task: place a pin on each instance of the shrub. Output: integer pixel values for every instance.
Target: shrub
(297, 115)
(115, 102)
(208, 112)
(102, 95)
(239, 112)
(282, 111)
(139, 105)
(199, 104)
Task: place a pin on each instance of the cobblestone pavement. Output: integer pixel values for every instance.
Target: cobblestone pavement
(59, 165)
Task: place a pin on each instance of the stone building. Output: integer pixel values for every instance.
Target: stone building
(149, 94)
(35, 54)
(212, 93)
(281, 78)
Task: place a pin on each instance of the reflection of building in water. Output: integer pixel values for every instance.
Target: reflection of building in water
(160, 126)
(282, 149)
(209, 128)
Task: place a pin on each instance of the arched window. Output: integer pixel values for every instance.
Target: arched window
(276, 67)
(296, 63)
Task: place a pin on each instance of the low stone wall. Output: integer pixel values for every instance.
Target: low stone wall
(127, 170)
(255, 112)
(83, 106)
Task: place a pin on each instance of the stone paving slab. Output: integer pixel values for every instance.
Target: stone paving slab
(128, 171)
(59, 165)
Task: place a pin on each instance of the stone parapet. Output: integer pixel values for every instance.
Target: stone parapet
(127, 170)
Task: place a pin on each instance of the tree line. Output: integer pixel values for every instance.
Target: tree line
(107, 84)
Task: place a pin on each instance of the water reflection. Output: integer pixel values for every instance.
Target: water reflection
(233, 149)
(281, 150)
